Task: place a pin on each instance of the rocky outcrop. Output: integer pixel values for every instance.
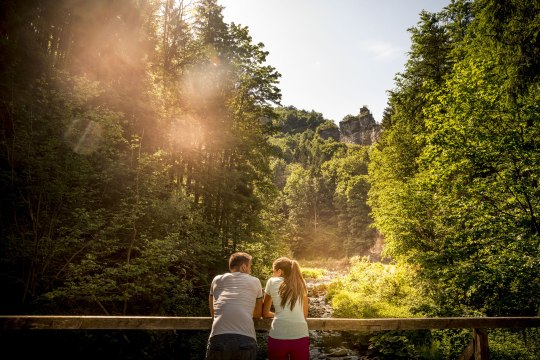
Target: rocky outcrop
(329, 132)
(361, 129)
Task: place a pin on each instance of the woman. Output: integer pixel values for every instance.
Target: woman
(286, 289)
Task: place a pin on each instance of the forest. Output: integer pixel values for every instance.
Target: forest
(142, 142)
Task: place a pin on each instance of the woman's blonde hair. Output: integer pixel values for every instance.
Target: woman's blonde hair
(293, 288)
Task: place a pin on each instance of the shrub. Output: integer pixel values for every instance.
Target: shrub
(374, 290)
(313, 273)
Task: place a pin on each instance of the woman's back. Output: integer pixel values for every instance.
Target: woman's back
(288, 337)
(287, 324)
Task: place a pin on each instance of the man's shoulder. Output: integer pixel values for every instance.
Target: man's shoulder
(254, 279)
(220, 277)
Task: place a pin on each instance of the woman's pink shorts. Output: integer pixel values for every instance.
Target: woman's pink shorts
(281, 349)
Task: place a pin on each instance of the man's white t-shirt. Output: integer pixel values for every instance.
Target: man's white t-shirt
(287, 324)
(235, 295)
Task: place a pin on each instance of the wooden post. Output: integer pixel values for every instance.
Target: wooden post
(481, 349)
(477, 348)
(468, 353)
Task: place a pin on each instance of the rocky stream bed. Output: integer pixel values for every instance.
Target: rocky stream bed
(330, 344)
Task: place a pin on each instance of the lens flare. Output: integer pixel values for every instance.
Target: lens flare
(186, 132)
(83, 136)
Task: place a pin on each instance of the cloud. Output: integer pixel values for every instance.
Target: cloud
(382, 50)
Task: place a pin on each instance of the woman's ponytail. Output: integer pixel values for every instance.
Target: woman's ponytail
(293, 288)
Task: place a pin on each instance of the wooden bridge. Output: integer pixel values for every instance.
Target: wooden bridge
(477, 349)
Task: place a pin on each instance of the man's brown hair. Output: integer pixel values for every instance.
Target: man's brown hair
(237, 259)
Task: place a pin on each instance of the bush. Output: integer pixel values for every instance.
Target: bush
(374, 290)
(313, 273)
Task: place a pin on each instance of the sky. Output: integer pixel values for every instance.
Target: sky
(335, 56)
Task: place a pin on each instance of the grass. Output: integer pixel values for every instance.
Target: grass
(329, 264)
(313, 273)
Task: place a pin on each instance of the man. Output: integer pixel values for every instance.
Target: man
(235, 299)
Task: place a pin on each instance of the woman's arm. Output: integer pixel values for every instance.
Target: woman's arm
(306, 304)
(267, 305)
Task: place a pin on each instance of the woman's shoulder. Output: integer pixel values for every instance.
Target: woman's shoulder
(274, 279)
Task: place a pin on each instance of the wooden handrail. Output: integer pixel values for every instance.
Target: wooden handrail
(15, 322)
(477, 349)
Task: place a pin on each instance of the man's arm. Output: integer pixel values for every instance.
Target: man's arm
(211, 305)
(257, 310)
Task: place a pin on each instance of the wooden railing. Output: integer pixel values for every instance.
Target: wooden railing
(477, 349)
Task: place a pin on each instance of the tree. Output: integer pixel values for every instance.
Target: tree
(394, 160)
(465, 209)
(348, 173)
(480, 166)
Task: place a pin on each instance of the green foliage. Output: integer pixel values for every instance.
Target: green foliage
(454, 186)
(330, 264)
(140, 145)
(348, 174)
(376, 290)
(298, 197)
(446, 344)
(483, 185)
(351, 304)
(293, 121)
(124, 192)
(323, 185)
(372, 290)
(313, 273)
(393, 346)
(506, 344)
(324, 188)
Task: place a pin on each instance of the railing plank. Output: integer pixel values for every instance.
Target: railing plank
(106, 322)
(14, 322)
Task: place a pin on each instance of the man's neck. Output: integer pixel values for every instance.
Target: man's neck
(238, 271)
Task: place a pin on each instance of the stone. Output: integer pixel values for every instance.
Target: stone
(339, 352)
(361, 129)
(331, 132)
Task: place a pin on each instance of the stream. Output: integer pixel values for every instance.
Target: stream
(329, 344)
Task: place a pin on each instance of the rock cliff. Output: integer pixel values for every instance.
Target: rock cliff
(361, 129)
